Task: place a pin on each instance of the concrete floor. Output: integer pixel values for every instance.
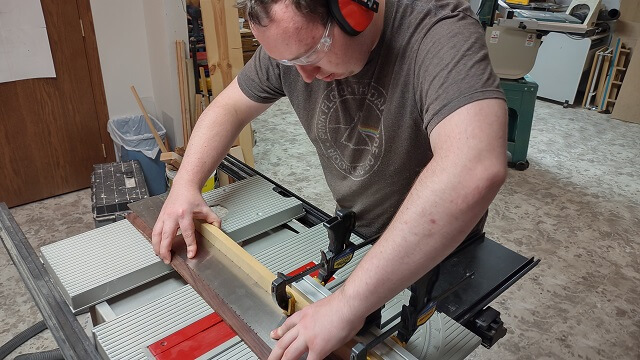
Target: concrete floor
(577, 208)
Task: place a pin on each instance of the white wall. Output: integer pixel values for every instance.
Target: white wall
(608, 4)
(136, 44)
(166, 22)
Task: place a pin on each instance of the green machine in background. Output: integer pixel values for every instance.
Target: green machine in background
(513, 39)
(521, 101)
(511, 61)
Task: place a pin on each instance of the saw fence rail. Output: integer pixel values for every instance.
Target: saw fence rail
(65, 328)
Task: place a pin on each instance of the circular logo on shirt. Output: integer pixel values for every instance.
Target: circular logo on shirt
(349, 127)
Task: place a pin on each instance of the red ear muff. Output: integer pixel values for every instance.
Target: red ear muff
(353, 16)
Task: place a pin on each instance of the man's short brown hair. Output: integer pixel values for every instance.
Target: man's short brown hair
(258, 12)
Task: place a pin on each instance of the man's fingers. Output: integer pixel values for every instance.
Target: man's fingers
(168, 234)
(283, 344)
(156, 236)
(215, 220)
(296, 349)
(209, 216)
(284, 328)
(188, 232)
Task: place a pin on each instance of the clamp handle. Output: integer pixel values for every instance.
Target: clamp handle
(421, 305)
(339, 229)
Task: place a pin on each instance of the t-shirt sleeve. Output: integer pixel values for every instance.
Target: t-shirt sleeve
(453, 68)
(260, 78)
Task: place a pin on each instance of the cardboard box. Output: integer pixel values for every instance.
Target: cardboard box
(630, 10)
(627, 107)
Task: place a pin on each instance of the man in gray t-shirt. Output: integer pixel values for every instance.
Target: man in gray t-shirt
(409, 123)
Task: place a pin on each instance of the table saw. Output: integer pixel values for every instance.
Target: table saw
(143, 309)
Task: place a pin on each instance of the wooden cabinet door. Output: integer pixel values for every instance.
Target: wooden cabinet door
(50, 135)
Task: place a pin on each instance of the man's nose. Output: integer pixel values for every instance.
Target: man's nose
(308, 72)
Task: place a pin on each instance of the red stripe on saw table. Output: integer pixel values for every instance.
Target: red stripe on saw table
(193, 340)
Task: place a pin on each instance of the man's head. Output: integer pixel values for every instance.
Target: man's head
(303, 34)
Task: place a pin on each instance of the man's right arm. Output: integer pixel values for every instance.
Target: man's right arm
(214, 133)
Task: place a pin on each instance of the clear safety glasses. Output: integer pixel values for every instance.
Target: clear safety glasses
(314, 56)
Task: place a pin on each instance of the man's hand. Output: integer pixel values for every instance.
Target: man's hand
(318, 329)
(182, 206)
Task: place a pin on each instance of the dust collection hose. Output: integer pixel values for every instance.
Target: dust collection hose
(609, 15)
(54, 354)
(603, 15)
(22, 337)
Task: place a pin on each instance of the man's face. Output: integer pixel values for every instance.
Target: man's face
(290, 36)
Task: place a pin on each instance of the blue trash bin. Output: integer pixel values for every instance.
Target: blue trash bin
(134, 141)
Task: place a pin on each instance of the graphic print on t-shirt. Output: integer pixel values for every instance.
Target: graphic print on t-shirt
(349, 127)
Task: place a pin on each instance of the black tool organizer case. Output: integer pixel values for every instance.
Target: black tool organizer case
(113, 187)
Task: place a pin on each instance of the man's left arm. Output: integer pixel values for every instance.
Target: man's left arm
(446, 201)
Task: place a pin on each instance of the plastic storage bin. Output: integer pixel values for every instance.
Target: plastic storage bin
(209, 185)
(133, 140)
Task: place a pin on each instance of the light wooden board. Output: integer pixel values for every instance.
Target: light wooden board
(191, 85)
(604, 70)
(148, 120)
(627, 105)
(171, 158)
(246, 143)
(198, 107)
(589, 82)
(180, 64)
(224, 56)
(222, 39)
(236, 152)
(185, 90)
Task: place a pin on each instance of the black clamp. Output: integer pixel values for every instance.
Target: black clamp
(280, 295)
(422, 305)
(341, 249)
(338, 254)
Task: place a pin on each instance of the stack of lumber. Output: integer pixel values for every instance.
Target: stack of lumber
(224, 61)
(608, 71)
(224, 56)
